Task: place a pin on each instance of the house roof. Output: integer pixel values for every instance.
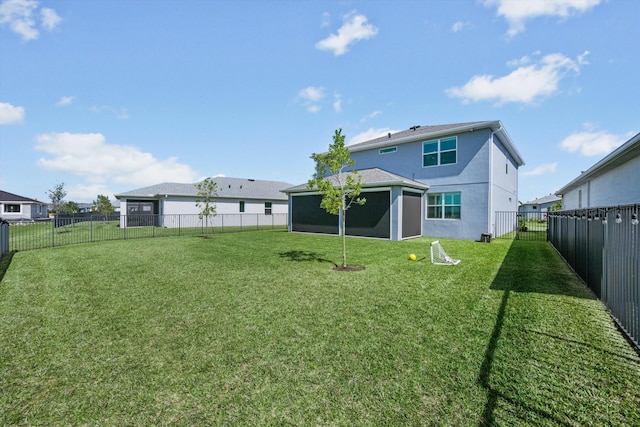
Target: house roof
(620, 155)
(5, 196)
(551, 198)
(417, 133)
(228, 188)
(374, 177)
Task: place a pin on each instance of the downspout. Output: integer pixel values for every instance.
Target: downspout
(491, 213)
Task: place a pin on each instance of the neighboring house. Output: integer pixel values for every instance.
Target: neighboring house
(235, 196)
(612, 181)
(18, 208)
(539, 206)
(454, 178)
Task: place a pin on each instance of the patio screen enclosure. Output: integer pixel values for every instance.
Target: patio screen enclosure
(373, 219)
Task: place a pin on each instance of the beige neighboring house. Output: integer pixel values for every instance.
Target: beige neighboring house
(19, 208)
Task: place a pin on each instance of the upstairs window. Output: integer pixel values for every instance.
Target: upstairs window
(441, 151)
(388, 150)
(443, 205)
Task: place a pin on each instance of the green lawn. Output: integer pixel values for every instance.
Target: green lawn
(256, 328)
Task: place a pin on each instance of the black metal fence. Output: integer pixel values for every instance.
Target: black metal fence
(68, 230)
(521, 225)
(602, 245)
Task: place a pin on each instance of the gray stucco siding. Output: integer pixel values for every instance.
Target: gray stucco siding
(473, 213)
(471, 163)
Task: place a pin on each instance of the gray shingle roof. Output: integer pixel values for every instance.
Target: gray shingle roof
(232, 188)
(374, 177)
(418, 131)
(5, 196)
(551, 198)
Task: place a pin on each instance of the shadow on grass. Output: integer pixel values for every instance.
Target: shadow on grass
(5, 262)
(301, 256)
(527, 267)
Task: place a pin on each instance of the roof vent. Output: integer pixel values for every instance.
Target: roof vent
(251, 179)
(389, 135)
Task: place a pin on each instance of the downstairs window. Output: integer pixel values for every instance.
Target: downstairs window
(443, 205)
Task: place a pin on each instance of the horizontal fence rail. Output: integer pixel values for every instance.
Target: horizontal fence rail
(521, 225)
(74, 229)
(602, 245)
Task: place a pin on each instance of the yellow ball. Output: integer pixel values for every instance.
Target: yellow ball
(412, 257)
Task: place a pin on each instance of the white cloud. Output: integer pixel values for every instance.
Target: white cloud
(311, 93)
(10, 115)
(354, 28)
(310, 96)
(541, 169)
(120, 113)
(50, 18)
(19, 16)
(371, 133)
(592, 143)
(89, 156)
(459, 26)
(370, 116)
(326, 20)
(337, 103)
(525, 84)
(87, 193)
(64, 101)
(518, 12)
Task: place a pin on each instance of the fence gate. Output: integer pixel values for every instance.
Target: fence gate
(521, 225)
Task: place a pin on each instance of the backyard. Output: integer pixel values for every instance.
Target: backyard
(256, 328)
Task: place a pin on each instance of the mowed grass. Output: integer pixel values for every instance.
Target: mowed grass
(256, 328)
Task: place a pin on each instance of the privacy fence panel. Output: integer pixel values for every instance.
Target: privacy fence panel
(602, 245)
(68, 230)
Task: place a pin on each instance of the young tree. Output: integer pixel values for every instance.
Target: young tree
(206, 199)
(70, 208)
(339, 189)
(103, 205)
(57, 195)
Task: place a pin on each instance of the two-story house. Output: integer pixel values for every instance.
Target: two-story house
(440, 181)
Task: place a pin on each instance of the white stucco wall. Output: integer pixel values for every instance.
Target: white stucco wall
(615, 187)
(177, 205)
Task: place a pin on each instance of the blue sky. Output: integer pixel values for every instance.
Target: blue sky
(109, 96)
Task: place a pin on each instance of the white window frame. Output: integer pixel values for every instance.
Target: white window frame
(439, 151)
(443, 205)
(6, 206)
